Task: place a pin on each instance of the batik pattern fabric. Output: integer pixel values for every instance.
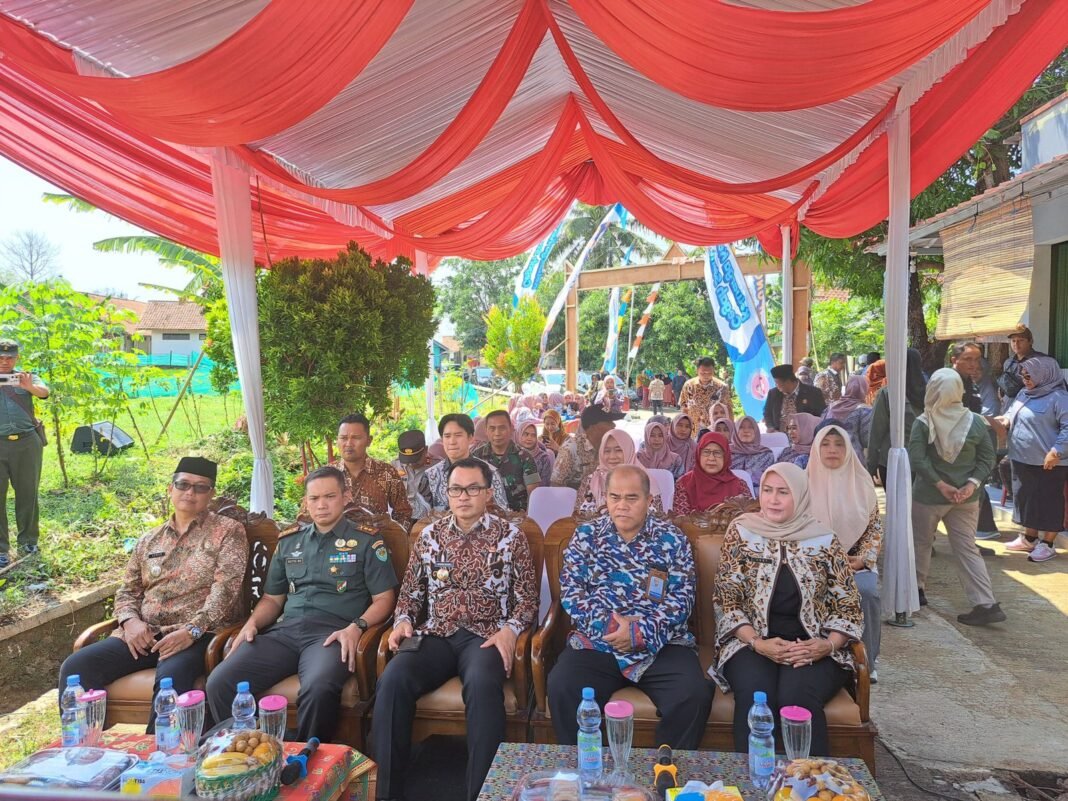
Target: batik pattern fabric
(697, 398)
(576, 460)
(754, 463)
(480, 580)
(586, 503)
(682, 505)
(603, 573)
(516, 469)
(745, 583)
(436, 483)
(793, 456)
(377, 489)
(173, 580)
(830, 384)
(870, 542)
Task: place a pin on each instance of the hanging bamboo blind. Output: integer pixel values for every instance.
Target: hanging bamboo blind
(987, 280)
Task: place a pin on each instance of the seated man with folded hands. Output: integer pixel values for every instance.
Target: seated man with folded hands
(628, 583)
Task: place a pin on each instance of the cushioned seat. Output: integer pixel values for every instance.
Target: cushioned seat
(290, 687)
(449, 698)
(138, 686)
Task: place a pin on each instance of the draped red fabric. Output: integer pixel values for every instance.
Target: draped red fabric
(759, 60)
(287, 62)
(951, 117)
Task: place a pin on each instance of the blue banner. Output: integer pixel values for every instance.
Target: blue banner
(529, 279)
(739, 328)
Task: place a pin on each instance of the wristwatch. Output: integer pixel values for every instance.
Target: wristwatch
(360, 623)
(194, 632)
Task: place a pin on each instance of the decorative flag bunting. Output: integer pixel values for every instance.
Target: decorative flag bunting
(611, 351)
(739, 327)
(616, 214)
(529, 279)
(650, 301)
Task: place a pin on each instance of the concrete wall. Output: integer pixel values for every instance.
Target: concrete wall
(1050, 220)
(180, 348)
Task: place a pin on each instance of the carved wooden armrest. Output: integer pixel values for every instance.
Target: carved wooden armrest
(860, 657)
(544, 649)
(95, 632)
(384, 654)
(521, 666)
(367, 657)
(219, 646)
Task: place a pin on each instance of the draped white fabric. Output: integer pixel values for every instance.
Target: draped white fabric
(899, 592)
(233, 205)
(787, 298)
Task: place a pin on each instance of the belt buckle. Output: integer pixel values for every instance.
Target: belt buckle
(13, 437)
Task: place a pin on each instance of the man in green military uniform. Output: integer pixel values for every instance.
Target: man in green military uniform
(20, 451)
(329, 580)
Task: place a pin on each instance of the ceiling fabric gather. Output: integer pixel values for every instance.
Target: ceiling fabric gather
(468, 127)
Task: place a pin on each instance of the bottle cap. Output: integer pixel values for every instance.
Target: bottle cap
(619, 709)
(760, 697)
(92, 696)
(73, 680)
(242, 686)
(273, 703)
(191, 698)
(587, 693)
(795, 714)
(166, 683)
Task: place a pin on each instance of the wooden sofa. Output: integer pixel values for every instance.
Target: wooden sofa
(851, 731)
(442, 711)
(130, 698)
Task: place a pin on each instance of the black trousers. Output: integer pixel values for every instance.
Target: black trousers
(674, 682)
(412, 674)
(986, 512)
(290, 647)
(810, 687)
(109, 659)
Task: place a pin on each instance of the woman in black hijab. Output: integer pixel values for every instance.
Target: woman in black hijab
(879, 439)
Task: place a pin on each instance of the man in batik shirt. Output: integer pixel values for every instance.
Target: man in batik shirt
(578, 456)
(457, 438)
(516, 468)
(628, 584)
(371, 484)
(183, 582)
(699, 393)
(832, 380)
(471, 579)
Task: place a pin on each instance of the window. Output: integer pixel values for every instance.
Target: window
(203, 337)
(1058, 307)
(172, 337)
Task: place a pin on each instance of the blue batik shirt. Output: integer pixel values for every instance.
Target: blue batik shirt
(603, 573)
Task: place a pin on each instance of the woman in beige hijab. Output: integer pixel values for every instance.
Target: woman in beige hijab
(843, 498)
(786, 607)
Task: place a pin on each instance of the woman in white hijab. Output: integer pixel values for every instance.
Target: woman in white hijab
(843, 498)
(786, 607)
(951, 456)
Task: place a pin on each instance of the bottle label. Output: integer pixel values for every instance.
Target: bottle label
(589, 752)
(72, 734)
(166, 737)
(762, 761)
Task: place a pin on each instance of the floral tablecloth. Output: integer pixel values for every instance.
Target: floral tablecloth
(514, 760)
(335, 772)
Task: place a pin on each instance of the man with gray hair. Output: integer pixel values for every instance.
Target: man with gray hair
(628, 584)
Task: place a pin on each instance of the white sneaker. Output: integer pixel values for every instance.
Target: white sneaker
(1043, 552)
(1020, 544)
(874, 676)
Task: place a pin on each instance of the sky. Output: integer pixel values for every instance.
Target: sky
(87, 270)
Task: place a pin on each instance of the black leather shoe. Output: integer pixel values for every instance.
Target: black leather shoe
(923, 598)
(983, 616)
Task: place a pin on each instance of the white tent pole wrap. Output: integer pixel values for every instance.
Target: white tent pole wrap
(787, 297)
(900, 596)
(233, 211)
(430, 430)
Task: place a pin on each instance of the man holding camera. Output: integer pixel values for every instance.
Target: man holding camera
(21, 447)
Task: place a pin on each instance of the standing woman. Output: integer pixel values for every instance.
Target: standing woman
(617, 448)
(1038, 447)
(786, 608)
(526, 438)
(876, 375)
(746, 451)
(711, 482)
(854, 412)
(801, 429)
(654, 453)
(680, 440)
(843, 498)
(879, 438)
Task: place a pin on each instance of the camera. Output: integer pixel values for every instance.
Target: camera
(11, 379)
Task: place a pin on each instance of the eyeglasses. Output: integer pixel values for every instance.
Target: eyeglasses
(198, 489)
(471, 492)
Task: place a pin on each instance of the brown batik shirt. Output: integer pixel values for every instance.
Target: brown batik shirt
(377, 488)
(481, 580)
(173, 580)
(696, 399)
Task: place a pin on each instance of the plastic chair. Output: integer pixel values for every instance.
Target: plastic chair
(776, 442)
(546, 506)
(744, 476)
(666, 482)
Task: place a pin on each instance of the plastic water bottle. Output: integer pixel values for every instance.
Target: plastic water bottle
(167, 732)
(72, 713)
(761, 741)
(589, 737)
(244, 708)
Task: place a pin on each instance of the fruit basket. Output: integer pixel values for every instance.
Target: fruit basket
(239, 766)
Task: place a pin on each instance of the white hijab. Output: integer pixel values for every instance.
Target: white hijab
(842, 498)
(945, 416)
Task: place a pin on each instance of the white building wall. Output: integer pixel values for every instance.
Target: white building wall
(182, 350)
(1050, 221)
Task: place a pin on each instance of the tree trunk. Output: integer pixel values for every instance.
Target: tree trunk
(59, 447)
(932, 352)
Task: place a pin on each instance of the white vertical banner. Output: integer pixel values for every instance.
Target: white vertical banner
(787, 356)
(233, 212)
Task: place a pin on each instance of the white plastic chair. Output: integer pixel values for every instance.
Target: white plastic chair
(546, 506)
(666, 482)
(776, 442)
(744, 476)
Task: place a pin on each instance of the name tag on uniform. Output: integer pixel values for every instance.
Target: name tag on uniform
(761, 560)
(294, 561)
(157, 554)
(657, 585)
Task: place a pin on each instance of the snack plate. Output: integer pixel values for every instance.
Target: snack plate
(76, 768)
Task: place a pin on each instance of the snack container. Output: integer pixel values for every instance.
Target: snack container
(163, 777)
(70, 768)
(550, 785)
(239, 766)
(815, 779)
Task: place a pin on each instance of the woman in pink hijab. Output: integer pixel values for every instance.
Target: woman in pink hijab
(654, 453)
(801, 429)
(617, 449)
(680, 440)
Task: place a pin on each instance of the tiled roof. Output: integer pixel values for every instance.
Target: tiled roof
(136, 306)
(172, 315)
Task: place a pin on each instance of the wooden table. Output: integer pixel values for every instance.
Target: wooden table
(515, 760)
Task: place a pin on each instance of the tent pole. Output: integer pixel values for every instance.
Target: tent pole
(233, 211)
(430, 430)
(787, 297)
(900, 596)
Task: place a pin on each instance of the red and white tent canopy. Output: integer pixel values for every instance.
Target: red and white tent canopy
(467, 127)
